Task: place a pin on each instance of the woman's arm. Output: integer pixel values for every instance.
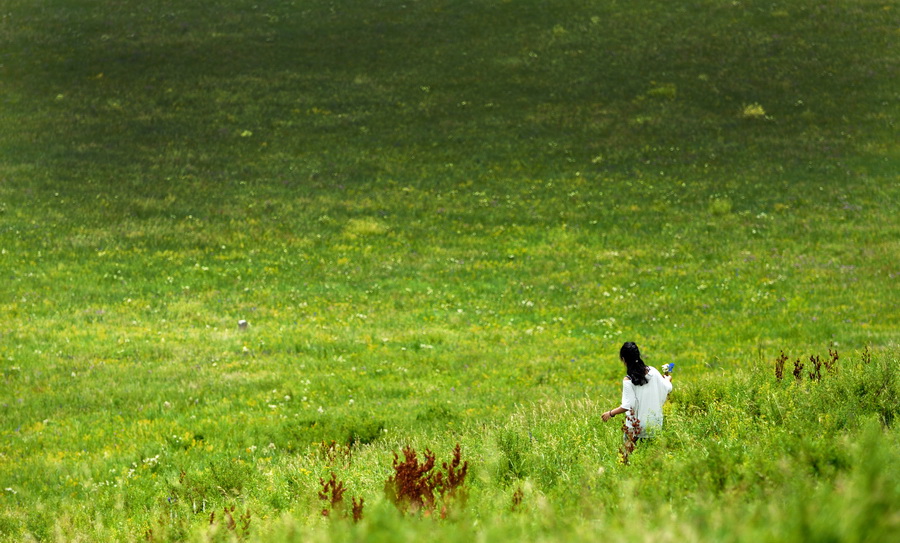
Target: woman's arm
(612, 413)
(628, 400)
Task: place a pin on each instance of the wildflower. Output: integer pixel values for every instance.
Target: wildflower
(153, 460)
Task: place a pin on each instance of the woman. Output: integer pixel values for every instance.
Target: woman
(644, 391)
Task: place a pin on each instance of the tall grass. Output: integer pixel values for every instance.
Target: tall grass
(441, 219)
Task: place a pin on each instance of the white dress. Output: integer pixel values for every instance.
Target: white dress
(646, 401)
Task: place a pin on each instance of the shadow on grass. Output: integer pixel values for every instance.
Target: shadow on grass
(338, 93)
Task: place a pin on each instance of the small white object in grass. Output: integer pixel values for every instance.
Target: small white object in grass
(242, 324)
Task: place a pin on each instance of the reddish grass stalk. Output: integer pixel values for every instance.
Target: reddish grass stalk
(332, 493)
(831, 361)
(816, 373)
(456, 475)
(357, 510)
(779, 366)
(798, 370)
(517, 497)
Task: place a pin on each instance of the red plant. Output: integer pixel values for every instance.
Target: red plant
(333, 494)
(630, 435)
(414, 485)
(229, 520)
(779, 365)
(816, 373)
(798, 370)
(411, 488)
(357, 510)
(456, 475)
(517, 497)
(230, 523)
(831, 362)
(815, 365)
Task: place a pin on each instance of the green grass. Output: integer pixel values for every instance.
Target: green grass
(441, 220)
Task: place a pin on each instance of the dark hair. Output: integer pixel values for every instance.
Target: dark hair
(636, 369)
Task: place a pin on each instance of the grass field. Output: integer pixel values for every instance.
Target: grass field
(441, 220)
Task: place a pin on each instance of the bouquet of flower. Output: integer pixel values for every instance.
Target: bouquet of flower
(667, 368)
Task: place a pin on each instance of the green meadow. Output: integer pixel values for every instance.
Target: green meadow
(440, 220)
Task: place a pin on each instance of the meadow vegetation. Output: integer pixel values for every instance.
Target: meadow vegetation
(441, 219)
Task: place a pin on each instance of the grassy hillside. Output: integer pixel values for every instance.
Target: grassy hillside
(441, 220)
